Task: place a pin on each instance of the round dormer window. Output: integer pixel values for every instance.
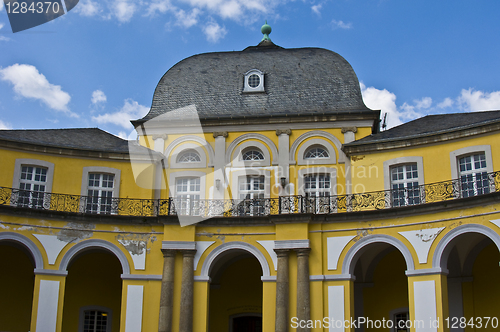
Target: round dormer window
(253, 81)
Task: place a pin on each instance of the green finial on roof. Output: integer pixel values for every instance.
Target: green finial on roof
(266, 30)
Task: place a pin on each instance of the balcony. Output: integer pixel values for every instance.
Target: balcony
(377, 200)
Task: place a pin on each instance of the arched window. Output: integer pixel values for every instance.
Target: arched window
(252, 154)
(316, 152)
(189, 156)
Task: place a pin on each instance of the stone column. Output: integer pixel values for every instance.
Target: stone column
(219, 163)
(303, 289)
(284, 158)
(282, 291)
(167, 291)
(186, 319)
(349, 136)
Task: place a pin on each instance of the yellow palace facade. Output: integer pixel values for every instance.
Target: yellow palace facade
(260, 195)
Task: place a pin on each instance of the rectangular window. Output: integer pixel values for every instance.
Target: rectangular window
(401, 322)
(473, 175)
(187, 196)
(32, 186)
(404, 185)
(100, 193)
(317, 188)
(95, 321)
(252, 191)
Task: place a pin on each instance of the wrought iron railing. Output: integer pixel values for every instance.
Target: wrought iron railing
(480, 184)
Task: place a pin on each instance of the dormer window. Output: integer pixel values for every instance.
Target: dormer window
(254, 81)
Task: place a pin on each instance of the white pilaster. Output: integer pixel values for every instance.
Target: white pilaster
(133, 319)
(219, 164)
(48, 298)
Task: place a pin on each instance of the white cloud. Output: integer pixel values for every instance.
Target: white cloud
(4, 125)
(131, 110)
(473, 100)
(161, 6)
(382, 100)
(98, 97)
(213, 31)
(28, 82)
(423, 103)
(340, 24)
(1, 6)
(317, 9)
(187, 20)
(447, 102)
(88, 8)
(3, 37)
(123, 10)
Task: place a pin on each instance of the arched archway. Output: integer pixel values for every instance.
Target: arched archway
(93, 285)
(18, 259)
(379, 263)
(236, 289)
(470, 255)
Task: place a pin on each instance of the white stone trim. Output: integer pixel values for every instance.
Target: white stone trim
(193, 138)
(95, 307)
(317, 170)
(133, 315)
(150, 277)
(317, 277)
(269, 246)
(48, 301)
(293, 149)
(180, 149)
(33, 162)
(207, 264)
(339, 277)
(403, 161)
(335, 246)
(292, 244)
(336, 307)
(187, 174)
(252, 137)
(455, 155)
(357, 249)
(51, 272)
(237, 174)
(247, 88)
(426, 272)
(52, 245)
(424, 295)
(99, 169)
(201, 247)
(91, 244)
(32, 248)
(320, 161)
(442, 251)
(139, 259)
(237, 155)
(178, 245)
(268, 279)
(422, 240)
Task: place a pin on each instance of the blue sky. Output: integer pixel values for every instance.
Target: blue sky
(98, 65)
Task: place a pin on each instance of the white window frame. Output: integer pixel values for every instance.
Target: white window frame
(191, 200)
(388, 164)
(405, 181)
(187, 174)
(237, 160)
(395, 312)
(102, 170)
(247, 88)
(180, 149)
(317, 170)
(98, 308)
(318, 161)
(470, 150)
(237, 174)
(20, 162)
